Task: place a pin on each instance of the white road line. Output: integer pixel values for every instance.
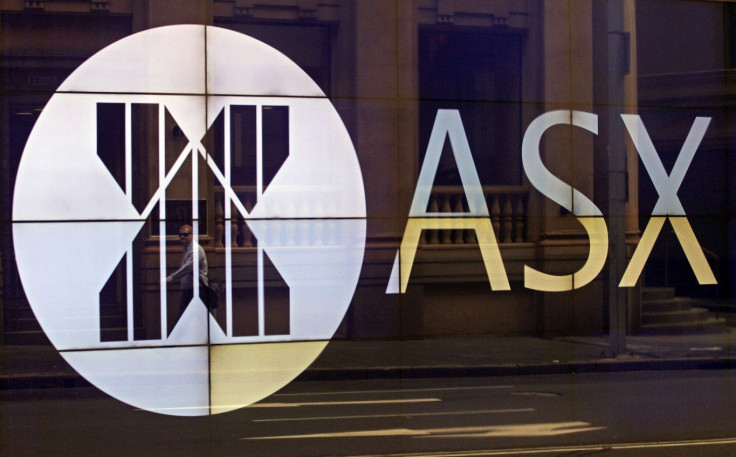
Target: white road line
(389, 391)
(372, 416)
(328, 403)
(486, 431)
(340, 403)
(314, 403)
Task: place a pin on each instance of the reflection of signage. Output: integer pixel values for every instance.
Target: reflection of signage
(78, 209)
(449, 125)
(43, 81)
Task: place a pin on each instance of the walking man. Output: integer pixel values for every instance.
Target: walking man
(184, 273)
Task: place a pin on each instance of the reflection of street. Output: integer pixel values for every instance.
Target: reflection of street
(618, 414)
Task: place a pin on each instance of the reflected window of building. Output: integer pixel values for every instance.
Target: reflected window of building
(730, 21)
(307, 45)
(683, 48)
(479, 74)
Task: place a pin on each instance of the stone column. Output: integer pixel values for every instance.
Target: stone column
(567, 152)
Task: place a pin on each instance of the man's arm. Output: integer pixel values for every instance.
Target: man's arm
(184, 269)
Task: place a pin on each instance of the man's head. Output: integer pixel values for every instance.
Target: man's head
(185, 234)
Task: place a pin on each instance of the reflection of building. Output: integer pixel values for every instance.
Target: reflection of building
(672, 91)
(388, 66)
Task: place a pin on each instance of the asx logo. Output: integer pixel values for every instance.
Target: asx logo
(152, 126)
(668, 207)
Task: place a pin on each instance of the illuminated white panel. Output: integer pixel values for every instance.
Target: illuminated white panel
(242, 374)
(61, 177)
(64, 266)
(65, 261)
(165, 60)
(321, 177)
(174, 381)
(315, 269)
(240, 65)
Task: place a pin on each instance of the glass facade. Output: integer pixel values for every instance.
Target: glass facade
(349, 227)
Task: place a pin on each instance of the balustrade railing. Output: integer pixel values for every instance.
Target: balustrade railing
(240, 233)
(281, 232)
(507, 205)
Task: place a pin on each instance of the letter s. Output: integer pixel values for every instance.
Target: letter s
(564, 195)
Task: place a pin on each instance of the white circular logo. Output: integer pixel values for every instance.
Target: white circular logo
(234, 131)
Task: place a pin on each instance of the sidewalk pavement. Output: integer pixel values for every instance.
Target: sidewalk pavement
(41, 366)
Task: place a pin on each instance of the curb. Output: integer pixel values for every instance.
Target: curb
(72, 380)
(603, 366)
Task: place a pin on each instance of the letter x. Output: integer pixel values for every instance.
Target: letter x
(668, 204)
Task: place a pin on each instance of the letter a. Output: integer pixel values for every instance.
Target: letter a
(448, 124)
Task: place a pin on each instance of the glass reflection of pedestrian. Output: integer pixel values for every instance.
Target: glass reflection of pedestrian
(184, 273)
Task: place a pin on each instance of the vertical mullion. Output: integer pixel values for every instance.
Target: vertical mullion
(129, 194)
(129, 152)
(195, 220)
(228, 228)
(162, 215)
(259, 152)
(259, 194)
(129, 292)
(261, 293)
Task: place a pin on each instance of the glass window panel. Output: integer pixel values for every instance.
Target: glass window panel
(296, 170)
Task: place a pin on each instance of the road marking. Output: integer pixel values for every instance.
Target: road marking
(521, 430)
(566, 449)
(707, 349)
(389, 391)
(535, 394)
(314, 403)
(341, 403)
(350, 392)
(373, 416)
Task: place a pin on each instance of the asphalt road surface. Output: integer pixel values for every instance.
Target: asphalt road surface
(667, 413)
